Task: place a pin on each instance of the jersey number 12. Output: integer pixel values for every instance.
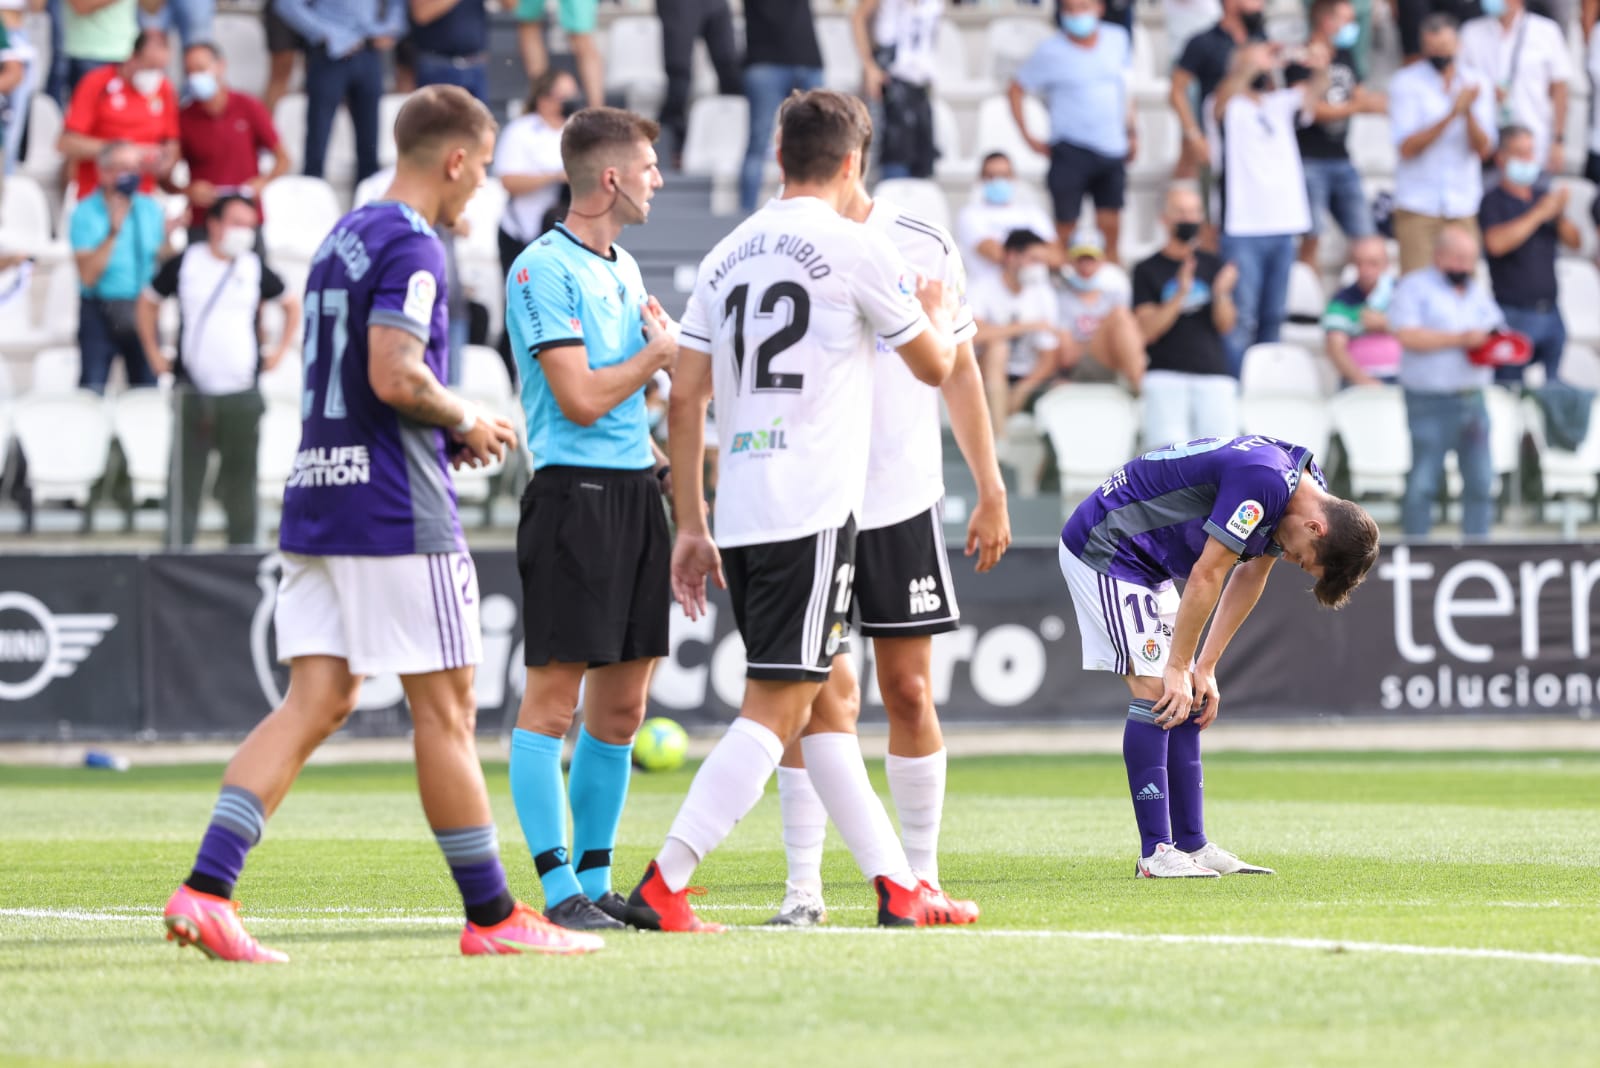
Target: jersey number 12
(766, 379)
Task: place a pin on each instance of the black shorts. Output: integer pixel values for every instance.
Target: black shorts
(1075, 171)
(281, 37)
(595, 558)
(791, 600)
(903, 586)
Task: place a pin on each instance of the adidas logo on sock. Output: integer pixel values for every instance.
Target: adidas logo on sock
(1151, 793)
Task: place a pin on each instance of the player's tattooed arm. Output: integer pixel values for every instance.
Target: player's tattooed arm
(402, 380)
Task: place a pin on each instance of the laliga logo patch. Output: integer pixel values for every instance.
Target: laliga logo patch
(420, 291)
(1151, 650)
(906, 286)
(1245, 519)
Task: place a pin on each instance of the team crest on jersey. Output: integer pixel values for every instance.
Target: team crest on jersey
(760, 441)
(1151, 650)
(1245, 519)
(421, 289)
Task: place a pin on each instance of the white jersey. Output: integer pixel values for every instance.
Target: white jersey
(909, 28)
(788, 306)
(905, 465)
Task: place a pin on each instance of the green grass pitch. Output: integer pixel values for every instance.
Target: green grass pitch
(1430, 909)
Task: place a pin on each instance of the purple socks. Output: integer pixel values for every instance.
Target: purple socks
(1187, 799)
(237, 821)
(1165, 780)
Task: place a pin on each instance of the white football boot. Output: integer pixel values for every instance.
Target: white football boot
(1168, 862)
(1223, 862)
(800, 908)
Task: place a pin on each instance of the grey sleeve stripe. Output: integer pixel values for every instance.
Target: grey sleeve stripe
(1223, 536)
(400, 322)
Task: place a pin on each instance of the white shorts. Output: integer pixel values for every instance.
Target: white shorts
(1126, 627)
(406, 615)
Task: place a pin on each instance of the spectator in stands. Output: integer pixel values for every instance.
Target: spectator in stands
(578, 21)
(896, 41)
(1264, 206)
(284, 46)
(116, 233)
(1183, 301)
(220, 284)
(1082, 72)
(19, 77)
(1100, 337)
(346, 40)
(131, 102)
(450, 42)
(1524, 56)
(95, 34)
(222, 133)
(1332, 184)
(1018, 325)
(1439, 314)
(1523, 221)
(781, 56)
(994, 212)
(527, 160)
(192, 19)
(1442, 118)
(682, 23)
(1205, 62)
(1357, 321)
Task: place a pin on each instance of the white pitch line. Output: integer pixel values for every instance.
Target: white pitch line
(1324, 945)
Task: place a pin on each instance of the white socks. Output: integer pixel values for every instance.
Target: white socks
(805, 824)
(917, 786)
(724, 790)
(840, 777)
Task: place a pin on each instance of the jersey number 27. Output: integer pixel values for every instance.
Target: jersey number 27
(766, 379)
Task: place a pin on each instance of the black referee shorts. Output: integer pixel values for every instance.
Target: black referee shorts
(595, 558)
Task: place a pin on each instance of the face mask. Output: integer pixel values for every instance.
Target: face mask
(1034, 274)
(1080, 26)
(1348, 35)
(1493, 8)
(1261, 83)
(571, 106)
(127, 184)
(997, 190)
(202, 86)
(236, 241)
(1078, 281)
(1441, 63)
(1523, 172)
(148, 82)
(1378, 299)
(1459, 279)
(1255, 24)
(1186, 232)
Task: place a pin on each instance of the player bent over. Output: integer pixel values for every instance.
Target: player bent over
(902, 582)
(1216, 513)
(593, 547)
(376, 576)
(783, 319)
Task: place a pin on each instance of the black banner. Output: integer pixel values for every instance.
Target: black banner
(183, 645)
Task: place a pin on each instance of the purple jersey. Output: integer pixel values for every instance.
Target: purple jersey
(368, 481)
(1149, 521)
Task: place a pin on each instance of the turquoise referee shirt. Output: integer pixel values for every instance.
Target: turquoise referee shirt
(561, 292)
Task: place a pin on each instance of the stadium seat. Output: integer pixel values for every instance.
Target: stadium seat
(29, 330)
(1580, 367)
(276, 449)
(1372, 147)
(44, 131)
(997, 132)
(67, 440)
(1371, 424)
(1160, 141)
(718, 128)
(1580, 199)
(956, 79)
(954, 162)
(1578, 296)
(56, 371)
(339, 161)
(285, 382)
(299, 211)
(25, 221)
(1149, 79)
(484, 380)
(1278, 369)
(1092, 430)
(389, 106)
(243, 40)
(1020, 448)
(1306, 298)
(841, 67)
(1009, 41)
(142, 420)
(919, 196)
(632, 48)
(371, 187)
(1571, 477)
(1302, 420)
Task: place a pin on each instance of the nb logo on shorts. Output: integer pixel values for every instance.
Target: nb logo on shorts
(923, 597)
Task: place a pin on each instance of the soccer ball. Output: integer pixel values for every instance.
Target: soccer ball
(660, 745)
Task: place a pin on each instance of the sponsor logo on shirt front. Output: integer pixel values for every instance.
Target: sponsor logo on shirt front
(1118, 479)
(343, 465)
(1245, 518)
(760, 442)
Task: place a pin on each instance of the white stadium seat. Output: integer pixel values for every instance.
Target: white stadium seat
(1280, 369)
(1010, 41)
(389, 106)
(956, 78)
(1300, 419)
(142, 420)
(1306, 298)
(997, 132)
(841, 67)
(285, 382)
(25, 221)
(1160, 141)
(44, 131)
(1578, 296)
(919, 196)
(67, 440)
(953, 162)
(484, 381)
(243, 41)
(1092, 430)
(339, 159)
(1580, 198)
(632, 46)
(1570, 476)
(1580, 367)
(718, 129)
(56, 371)
(276, 449)
(1372, 147)
(299, 213)
(1371, 422)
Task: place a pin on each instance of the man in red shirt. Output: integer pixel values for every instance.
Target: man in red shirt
(223, 133)
(130, 101)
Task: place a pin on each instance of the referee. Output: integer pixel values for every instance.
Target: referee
(593, 548)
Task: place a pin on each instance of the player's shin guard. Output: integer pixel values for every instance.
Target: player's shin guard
(840, 776)
(724, 790)
(473, 854)
(805, 825)
(541, 803)
(598, 787)
(1188, 786)
(237, 821)
(1144, 751)
(917, 786)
